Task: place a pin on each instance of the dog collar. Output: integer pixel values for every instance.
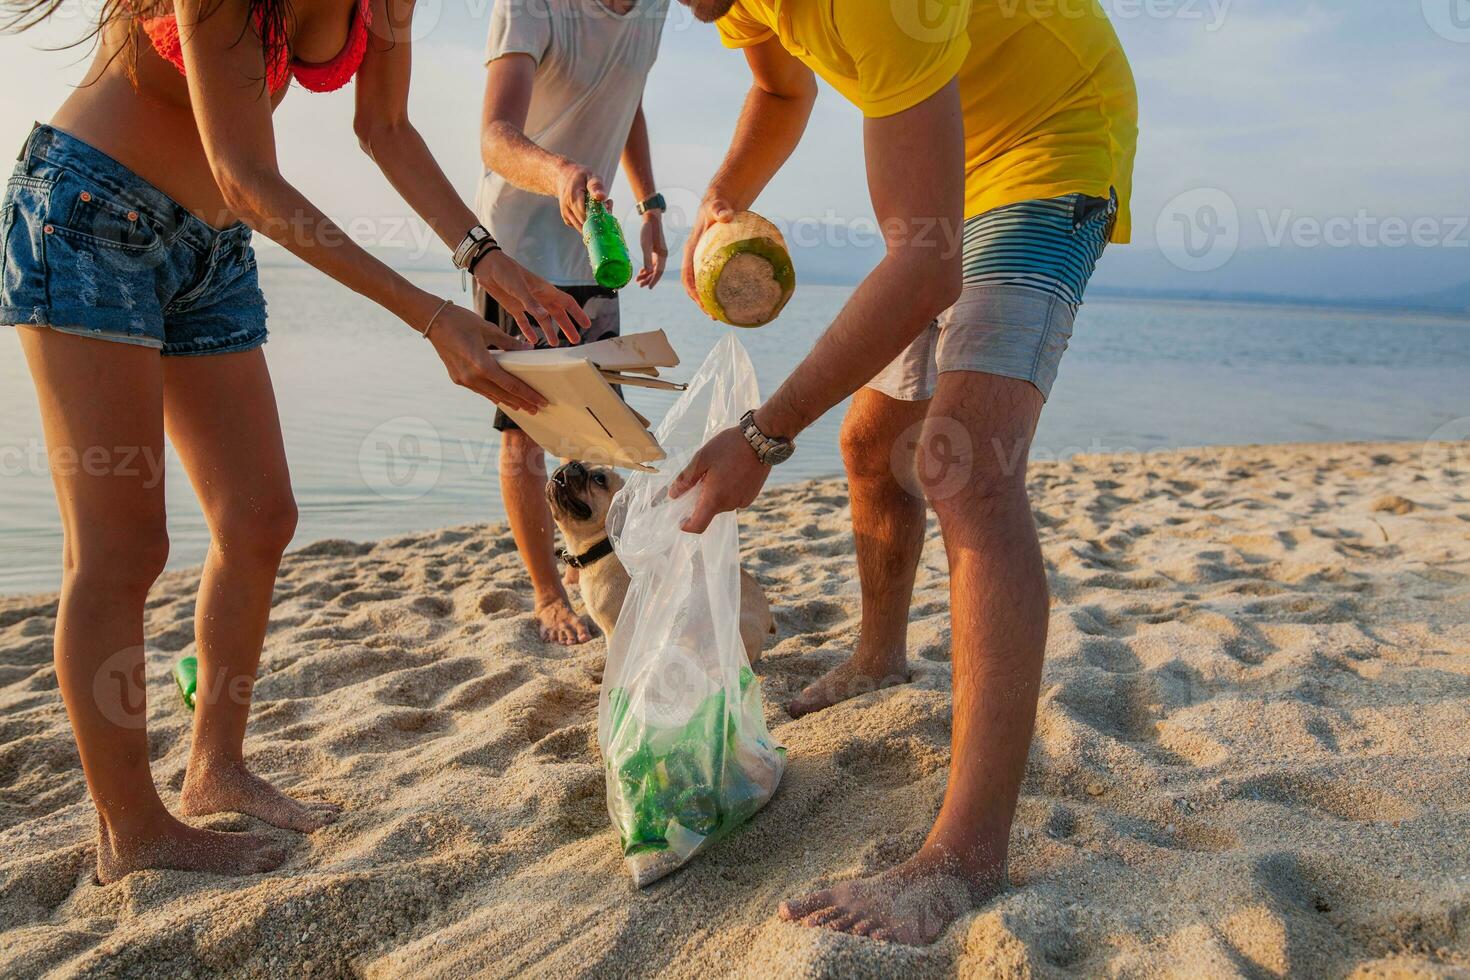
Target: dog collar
(591, 556)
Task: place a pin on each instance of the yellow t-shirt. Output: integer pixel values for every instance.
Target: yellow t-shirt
(1049, 101)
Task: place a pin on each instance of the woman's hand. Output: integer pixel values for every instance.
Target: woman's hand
(527, 296)
(573, 186)
(655, 250)
(462, 339)
(714, 210)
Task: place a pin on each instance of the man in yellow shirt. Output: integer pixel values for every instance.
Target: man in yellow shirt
(1009, 127)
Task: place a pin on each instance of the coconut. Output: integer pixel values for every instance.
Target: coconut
(743, 271)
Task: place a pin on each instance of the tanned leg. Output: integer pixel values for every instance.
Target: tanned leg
(999, 605)
(101, 409)
(523, 487)
(888, 526)
(220, 412)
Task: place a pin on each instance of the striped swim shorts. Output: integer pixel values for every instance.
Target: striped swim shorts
(1026, 267)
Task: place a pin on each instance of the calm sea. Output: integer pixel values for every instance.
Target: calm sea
(381, 443)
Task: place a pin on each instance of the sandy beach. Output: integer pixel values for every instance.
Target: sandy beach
(1252, 755)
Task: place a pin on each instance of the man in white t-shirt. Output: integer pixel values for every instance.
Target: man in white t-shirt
(563, 102)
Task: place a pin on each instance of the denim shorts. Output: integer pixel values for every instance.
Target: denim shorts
(1026, 267)
(90, 248)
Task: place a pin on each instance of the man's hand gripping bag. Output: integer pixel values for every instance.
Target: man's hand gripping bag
(681, 727)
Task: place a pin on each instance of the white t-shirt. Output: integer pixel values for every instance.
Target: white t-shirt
(590, 68)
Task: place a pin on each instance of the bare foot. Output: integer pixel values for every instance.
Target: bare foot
(849, 679)
(228, 787)
(179, 847)
(913, 903)
(559, 624)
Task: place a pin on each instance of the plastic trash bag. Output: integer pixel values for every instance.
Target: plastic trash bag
(683, 735)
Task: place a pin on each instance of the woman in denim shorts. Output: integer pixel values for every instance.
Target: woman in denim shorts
(128, 271)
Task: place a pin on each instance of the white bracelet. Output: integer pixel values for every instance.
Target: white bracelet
(435, 318)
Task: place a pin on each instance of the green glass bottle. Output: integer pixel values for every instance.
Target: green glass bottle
(186, 675)
(607, 250)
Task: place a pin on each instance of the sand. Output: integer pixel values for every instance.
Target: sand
(1252, 755)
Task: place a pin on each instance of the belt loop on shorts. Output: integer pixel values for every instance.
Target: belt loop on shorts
(25, 148)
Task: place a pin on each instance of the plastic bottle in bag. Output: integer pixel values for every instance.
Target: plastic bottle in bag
(681, 726)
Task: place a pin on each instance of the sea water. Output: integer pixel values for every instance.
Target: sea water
(381, 443)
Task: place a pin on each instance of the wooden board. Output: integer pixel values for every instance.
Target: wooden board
(586, 420)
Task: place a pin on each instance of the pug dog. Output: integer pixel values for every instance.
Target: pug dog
(579, 497)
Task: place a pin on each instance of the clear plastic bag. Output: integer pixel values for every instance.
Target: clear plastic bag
(683, 735)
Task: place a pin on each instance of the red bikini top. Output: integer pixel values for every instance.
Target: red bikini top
(325, 76)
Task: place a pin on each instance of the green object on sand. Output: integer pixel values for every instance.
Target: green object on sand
(690, 777)
(607, 250)
(186, 675)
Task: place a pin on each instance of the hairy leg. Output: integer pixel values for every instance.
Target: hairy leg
(888, 513)
(101, 410)
(220, 412)
(999, 603)
(523, 487)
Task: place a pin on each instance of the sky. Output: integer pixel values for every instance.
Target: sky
(1330, 134)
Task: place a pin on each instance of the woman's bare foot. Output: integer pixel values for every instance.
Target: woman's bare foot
(229, 787)
(179, 847)
(850, 679)
(913, 903)
(559, 624)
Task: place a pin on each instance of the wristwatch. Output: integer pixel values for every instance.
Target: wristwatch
(654, 203)
(474, 239)
(770, 450)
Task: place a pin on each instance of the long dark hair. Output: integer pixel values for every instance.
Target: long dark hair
(272, 20)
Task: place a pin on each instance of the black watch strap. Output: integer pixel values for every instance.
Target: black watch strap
(489, 246)
(654, 203)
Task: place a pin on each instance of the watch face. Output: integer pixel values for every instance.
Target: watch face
(779, 452)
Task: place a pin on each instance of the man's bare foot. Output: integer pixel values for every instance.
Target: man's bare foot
(179, 847)
(850, 679)
(557, 623)
(913, 903)
(229, 787)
